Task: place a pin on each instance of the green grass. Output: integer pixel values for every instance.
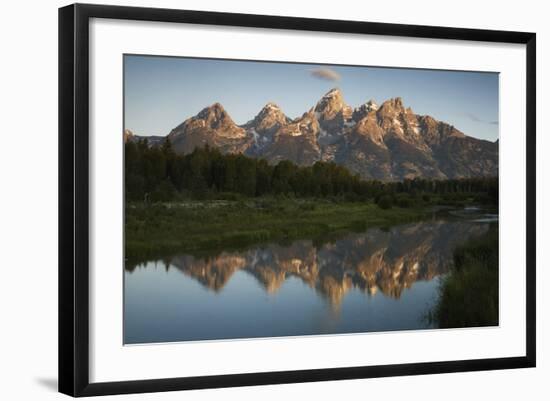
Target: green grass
(206, 226)
(468, 296)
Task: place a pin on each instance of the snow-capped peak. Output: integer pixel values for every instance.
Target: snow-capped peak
(371, 104)
(331, 93)
(271, 106)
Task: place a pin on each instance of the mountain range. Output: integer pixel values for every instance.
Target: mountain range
(387, 142)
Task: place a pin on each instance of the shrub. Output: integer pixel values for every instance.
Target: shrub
(230, 196)
(352, 197)
(404, 201)
(307, 206)
(164, 192)
(385, 202)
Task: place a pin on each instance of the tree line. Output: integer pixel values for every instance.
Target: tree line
(159, 174)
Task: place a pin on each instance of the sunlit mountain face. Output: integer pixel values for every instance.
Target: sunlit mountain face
(376, 261)
(389, 142)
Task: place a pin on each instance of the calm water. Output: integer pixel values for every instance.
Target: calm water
(378, 280)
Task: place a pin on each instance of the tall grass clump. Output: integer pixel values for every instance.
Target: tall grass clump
(469, 296)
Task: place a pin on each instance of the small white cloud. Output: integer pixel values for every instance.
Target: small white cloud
(325, 73)
(475, 118)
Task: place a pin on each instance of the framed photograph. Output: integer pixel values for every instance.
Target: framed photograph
(250, 199)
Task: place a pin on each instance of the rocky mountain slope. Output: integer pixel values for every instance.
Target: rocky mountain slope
(387, 142)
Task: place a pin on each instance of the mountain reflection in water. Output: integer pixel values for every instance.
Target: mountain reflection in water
(377, 260)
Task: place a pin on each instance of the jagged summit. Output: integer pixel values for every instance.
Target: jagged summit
(372, 104)
(213, 126)
(333, 92)
(386, 142)
(332, 101)
(332, 112)
(270, 109)
(396, 102)
(392, 107)
(362, 111)
(263, 127)
(271, 106)
(214, 116)
(267, 121)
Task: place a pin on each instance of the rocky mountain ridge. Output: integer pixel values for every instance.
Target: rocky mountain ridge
(387, 142)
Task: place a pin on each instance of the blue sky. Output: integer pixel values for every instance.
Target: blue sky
(161, 92)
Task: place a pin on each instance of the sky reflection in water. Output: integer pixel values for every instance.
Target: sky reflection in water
(378, 280)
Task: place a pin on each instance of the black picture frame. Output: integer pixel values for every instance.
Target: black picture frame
(74, 198)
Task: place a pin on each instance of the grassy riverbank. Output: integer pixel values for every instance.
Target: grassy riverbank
(469, 294)
(202, 226)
